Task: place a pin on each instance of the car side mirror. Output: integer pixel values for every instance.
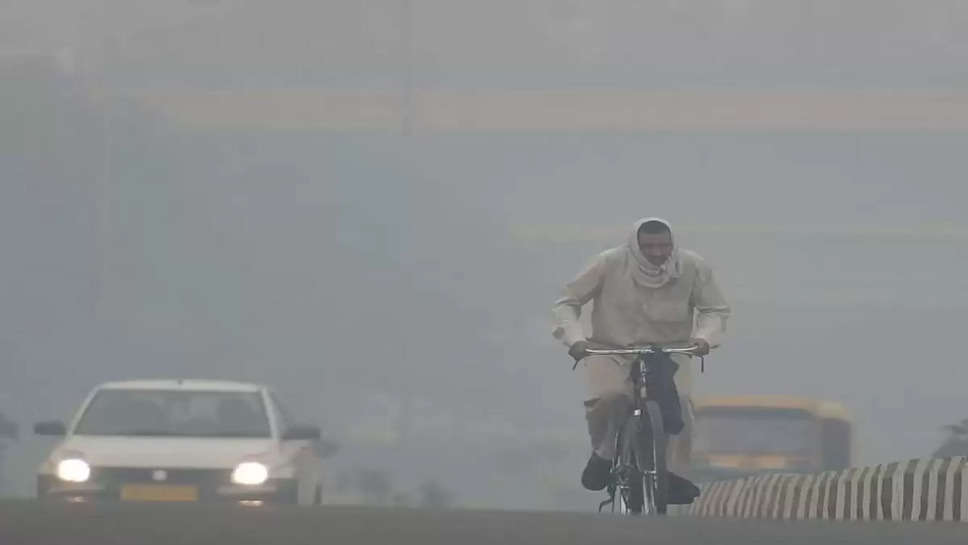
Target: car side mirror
(52, 427)
(296, 433)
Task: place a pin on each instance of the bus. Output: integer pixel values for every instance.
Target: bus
(745, 435)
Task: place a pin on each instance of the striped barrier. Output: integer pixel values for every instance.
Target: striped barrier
(933, 489)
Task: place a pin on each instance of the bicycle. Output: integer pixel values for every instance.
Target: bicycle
(639, 475)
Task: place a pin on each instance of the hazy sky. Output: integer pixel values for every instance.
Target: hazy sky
(396, 289)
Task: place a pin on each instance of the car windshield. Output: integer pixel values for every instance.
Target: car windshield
(175, 413)
(755, 431)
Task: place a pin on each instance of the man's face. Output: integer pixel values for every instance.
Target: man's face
(656, 247)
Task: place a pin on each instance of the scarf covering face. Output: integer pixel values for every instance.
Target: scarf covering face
(645, 273)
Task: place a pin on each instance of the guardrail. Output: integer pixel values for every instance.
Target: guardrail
(926, 489)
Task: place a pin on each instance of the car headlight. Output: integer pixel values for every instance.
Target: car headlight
(250, 473)
(73, 470)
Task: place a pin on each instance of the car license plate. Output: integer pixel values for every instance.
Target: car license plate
(158, 492)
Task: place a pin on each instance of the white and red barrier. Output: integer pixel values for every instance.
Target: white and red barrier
(932, 489)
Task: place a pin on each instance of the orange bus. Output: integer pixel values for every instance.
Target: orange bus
(752, 434)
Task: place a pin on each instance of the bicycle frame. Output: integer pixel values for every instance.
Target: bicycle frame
(628, 477)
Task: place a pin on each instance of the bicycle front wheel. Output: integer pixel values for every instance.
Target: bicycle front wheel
(651, 458)
(630, 477)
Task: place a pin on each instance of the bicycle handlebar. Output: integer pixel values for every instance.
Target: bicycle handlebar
(640, 350)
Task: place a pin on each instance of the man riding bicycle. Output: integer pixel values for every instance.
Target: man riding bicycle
(645, 292)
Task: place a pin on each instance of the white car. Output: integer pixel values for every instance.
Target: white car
(182, 440)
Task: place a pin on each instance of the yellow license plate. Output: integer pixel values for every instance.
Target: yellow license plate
(158, 492)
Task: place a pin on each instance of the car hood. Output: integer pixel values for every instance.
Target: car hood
(166, 451)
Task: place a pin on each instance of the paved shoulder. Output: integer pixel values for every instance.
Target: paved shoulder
(38, 524)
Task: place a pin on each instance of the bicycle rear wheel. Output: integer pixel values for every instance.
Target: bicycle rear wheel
(651, 458)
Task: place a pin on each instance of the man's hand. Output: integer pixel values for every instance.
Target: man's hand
(702, 347)
(578, 351)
